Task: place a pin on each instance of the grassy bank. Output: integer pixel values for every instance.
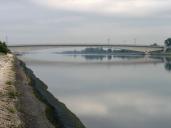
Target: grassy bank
(9, 117)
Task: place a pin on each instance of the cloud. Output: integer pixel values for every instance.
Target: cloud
(133, 7)
(82, 20)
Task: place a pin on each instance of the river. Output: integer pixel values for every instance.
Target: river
(108, 91)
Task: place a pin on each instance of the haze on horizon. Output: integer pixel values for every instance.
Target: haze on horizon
(85, 21)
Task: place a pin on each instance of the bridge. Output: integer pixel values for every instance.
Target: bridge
(139, 48)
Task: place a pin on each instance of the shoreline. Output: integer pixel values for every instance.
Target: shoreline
(35, 106)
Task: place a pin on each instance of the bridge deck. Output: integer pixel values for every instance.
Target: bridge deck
(139, 48)
(85, 45)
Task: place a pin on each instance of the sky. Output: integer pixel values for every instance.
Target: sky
(85, 21)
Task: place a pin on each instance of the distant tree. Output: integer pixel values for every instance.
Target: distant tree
(4, 48)
(109, 50)
(168, 42)
(155, 44)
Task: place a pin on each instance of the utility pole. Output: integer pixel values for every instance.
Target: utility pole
(135, 41)
(6, 38)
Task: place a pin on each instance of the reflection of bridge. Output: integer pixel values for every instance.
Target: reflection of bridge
(140, 48)
(134, 61)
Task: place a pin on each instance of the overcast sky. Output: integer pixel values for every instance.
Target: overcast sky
(85, 21)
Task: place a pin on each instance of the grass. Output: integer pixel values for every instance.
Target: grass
(12, 93)
(11, 109)
(4, 48)
(50, 116)
(9, 83)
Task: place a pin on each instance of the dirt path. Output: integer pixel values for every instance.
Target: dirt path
(32, 110)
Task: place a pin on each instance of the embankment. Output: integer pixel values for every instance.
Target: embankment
(26, 102)
(56, 112)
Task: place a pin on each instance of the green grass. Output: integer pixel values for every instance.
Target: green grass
(13, 94)
(3, 48)
(9, 83)
(11, 109)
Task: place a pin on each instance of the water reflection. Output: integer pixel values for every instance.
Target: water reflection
(109, 91)
(110, 57)
(126, 109)
(167, 62)
(164, 59)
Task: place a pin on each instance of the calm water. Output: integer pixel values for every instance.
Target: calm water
(108, 92)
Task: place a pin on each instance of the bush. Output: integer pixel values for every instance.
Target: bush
(4, 48)
(168, 42)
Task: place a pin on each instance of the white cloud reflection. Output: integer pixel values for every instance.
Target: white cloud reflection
(123, 105)
(87, 107)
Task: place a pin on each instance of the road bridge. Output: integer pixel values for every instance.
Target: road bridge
(32, 47)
